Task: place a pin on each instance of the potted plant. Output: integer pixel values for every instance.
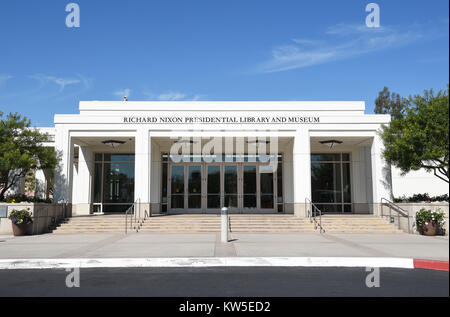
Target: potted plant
(429, 222)
(21, 221)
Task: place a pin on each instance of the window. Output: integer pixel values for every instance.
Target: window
(114, 181)
(330, 181)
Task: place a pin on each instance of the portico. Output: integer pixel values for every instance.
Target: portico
(196, 157)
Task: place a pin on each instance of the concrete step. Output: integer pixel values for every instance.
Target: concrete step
(357, 224)
(238, 224)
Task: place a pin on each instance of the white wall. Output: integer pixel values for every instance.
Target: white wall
(417, 182)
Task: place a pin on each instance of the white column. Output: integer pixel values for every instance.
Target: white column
(302, 170)
(82, 189)
(381, 177)
(62, 188)
(40, 190)
(142, 169)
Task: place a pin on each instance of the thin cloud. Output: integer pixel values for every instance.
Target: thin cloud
(4, 78)
(342, 41)
(307, 42)
(351, 29)
(173, 96)
(123, 93)
(59, 81)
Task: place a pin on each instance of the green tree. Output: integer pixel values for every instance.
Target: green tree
(390, 103)
(21, 150)
(418, 137)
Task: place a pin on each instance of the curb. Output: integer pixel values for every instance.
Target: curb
(16, 264)
(431, 265)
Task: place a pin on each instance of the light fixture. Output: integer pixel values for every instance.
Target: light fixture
(186, 141)
(331, 143)
(257, 142)
(113, 143)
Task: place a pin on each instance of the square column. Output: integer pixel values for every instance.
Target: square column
(381, 172)
(301, 155)
(64, 147)
(83, 182)
(142, 169)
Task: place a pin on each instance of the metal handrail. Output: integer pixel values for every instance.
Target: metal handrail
(312, 214)
(130, 211)
(142, 219)
(399, 210)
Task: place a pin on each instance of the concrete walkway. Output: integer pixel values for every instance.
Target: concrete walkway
(141, 245)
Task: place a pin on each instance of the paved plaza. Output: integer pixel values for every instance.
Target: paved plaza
(138, 245)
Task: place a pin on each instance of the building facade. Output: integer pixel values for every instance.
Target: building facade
(198, 156)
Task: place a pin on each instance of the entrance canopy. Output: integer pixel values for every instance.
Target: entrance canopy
(199, 156)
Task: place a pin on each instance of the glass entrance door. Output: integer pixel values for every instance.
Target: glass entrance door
(194, 194)
(266, 187)
(213, 188)
(177, 187)
(249, 186)
(230, 187)
(207, 187)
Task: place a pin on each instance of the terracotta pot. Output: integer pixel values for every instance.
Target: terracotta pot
(20, 230)
(429, 229)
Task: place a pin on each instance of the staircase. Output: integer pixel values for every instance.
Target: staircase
(269, 223)
(357, 224)
(92, 224)
(181, 224)
(239, 223)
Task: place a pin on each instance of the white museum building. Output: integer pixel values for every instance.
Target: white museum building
(249, 156)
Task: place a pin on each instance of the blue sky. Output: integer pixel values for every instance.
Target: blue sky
(216, 50)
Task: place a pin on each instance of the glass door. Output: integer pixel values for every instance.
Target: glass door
(230, 192)
(267, 187)
(249, 186)
(213, 187)
(177, 187)
(194, 194)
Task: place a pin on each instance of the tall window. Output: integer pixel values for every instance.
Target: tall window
(330, 182)
(113, 181)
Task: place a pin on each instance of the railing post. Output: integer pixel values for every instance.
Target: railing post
(409, 224)
(320, 215)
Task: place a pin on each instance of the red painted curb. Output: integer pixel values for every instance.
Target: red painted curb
(431, 265)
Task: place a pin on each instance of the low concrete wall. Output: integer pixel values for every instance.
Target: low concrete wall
(44, 216)
(411, 209)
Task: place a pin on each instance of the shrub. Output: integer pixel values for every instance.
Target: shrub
(421, 197)
(21, 216)
(26, 199)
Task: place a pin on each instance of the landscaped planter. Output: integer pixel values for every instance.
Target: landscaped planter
(21, 229)
(21, 221)
(429, 222)
(429, 229)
